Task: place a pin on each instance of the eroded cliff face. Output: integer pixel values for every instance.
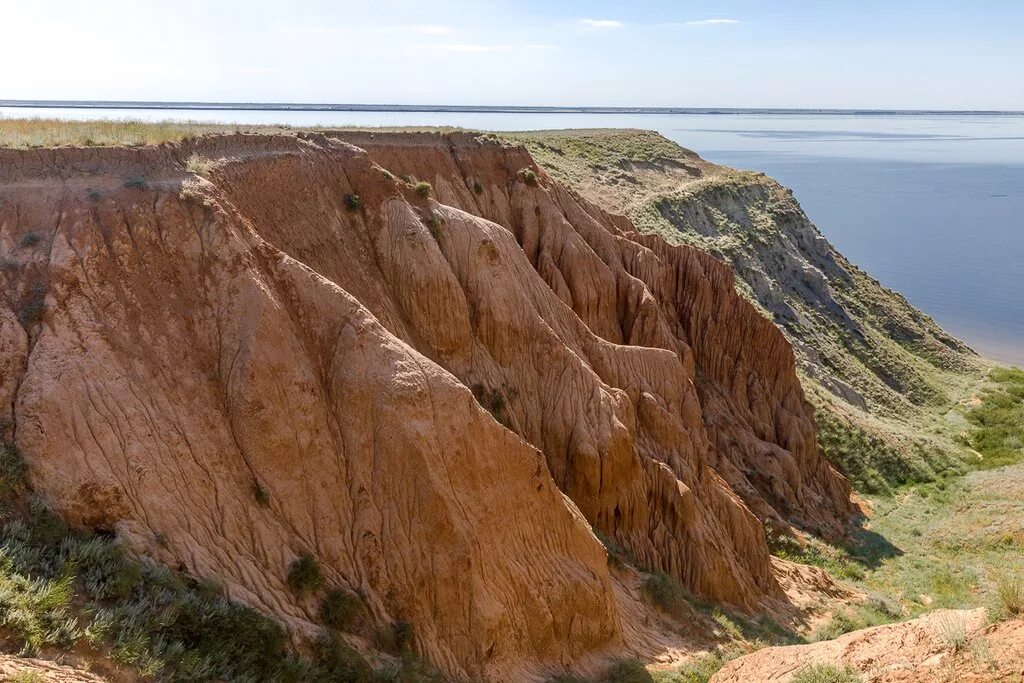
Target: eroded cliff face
(443, 396)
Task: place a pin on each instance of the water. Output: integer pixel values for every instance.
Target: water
(931, 205)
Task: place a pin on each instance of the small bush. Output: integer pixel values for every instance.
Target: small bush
(422, 188)
(30, 240)
(353, 202)
(340, 609)
(528, 176)
(826, 673)
(478, 188)
(138, 183)
(259, 493)
(93, 194)
(304, 575)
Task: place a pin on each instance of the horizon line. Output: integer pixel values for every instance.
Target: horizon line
(460, 108)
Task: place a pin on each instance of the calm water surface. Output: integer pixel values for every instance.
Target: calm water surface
(931, 205)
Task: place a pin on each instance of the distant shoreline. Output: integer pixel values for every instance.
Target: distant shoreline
(479, 109)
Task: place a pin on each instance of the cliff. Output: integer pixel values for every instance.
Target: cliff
(877, 369)
(235, 351)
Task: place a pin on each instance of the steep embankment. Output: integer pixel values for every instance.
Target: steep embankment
(237, 351)
(881, 372)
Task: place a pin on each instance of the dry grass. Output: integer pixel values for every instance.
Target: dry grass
(34, 133)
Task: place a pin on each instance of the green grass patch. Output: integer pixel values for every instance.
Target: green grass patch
(998, 421)
(826, 673)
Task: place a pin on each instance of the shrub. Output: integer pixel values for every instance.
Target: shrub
(353, 202)
(93, 194)
(340, 609)
(304, 574)
(665, 593)
(528, 176)
(478, 187)
(259, 493)
(137, 182)
(422, 188)
(826, 673)
(29, 240)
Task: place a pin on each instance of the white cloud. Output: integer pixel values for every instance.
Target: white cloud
(601, 23)
(704, 22)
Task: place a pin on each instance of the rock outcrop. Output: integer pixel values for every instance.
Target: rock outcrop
(440, 393)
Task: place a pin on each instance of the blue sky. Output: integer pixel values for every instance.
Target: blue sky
(752, 53)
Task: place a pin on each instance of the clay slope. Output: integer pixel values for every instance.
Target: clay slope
(945, 645)
(189, 323)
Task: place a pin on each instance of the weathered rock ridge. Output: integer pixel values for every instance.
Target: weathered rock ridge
(440, 395)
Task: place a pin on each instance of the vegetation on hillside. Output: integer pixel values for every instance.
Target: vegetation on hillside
(80, 592)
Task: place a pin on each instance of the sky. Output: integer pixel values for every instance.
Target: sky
(684, 53)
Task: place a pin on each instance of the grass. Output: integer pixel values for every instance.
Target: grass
(699, 670)
(34, 133)
(199, 165)
(492, 400)
(1010, 593)
(952, 631)
(950, 543)
(813, 551)
(26, 677)
(304, 575)
(856, 617)
(998, 420)
(435, 225)
(826, 673)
